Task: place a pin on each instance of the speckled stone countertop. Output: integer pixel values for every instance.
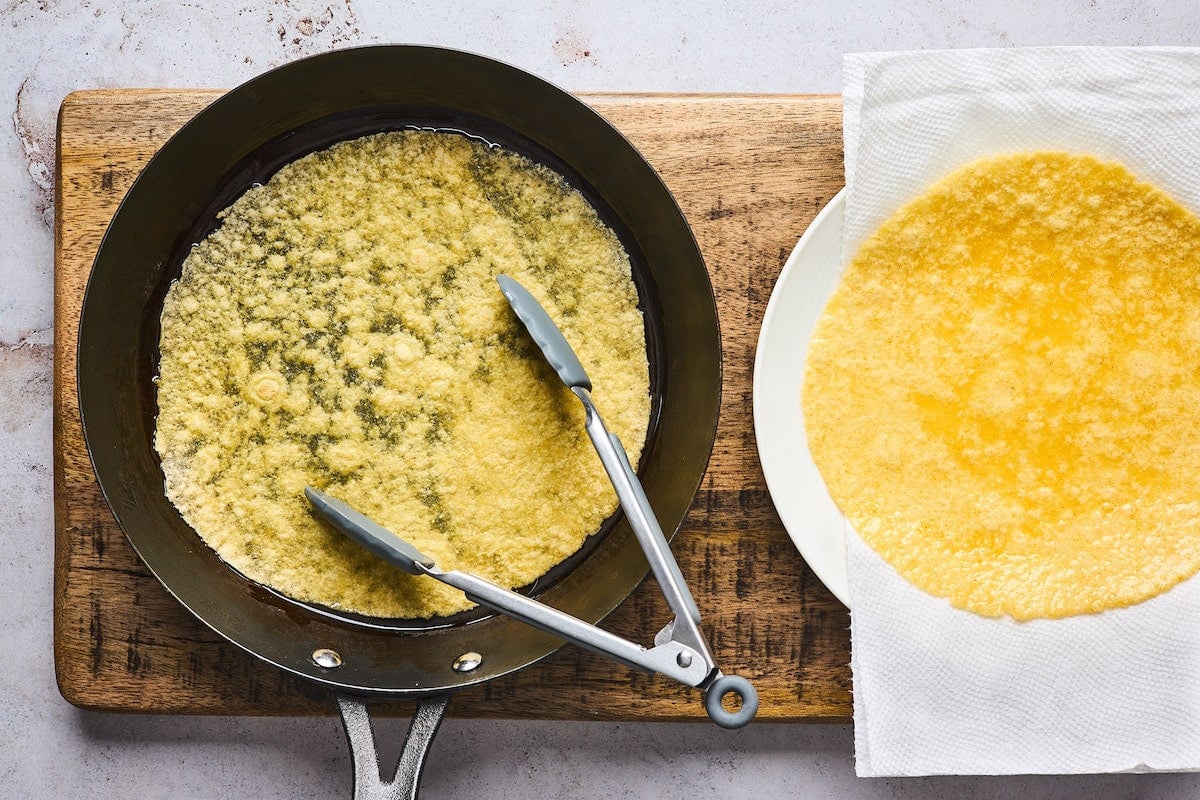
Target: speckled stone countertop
(50, 47)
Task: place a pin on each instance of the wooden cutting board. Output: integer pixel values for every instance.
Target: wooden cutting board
(750, 173)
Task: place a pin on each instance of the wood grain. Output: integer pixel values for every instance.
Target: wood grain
(750, 173)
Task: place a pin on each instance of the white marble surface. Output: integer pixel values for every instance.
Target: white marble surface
(50, 47)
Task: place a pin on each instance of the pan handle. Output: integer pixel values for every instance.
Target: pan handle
(406, 781)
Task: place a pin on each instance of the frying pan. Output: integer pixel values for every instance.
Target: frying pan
(243, 138)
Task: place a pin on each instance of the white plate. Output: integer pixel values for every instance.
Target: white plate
(806, 283)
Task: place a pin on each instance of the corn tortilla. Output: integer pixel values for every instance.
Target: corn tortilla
(1002, 394)
(343, 328)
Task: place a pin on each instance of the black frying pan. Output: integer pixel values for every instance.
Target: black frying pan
(243, 138)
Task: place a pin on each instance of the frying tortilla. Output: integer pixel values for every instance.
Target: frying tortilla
(342, 328)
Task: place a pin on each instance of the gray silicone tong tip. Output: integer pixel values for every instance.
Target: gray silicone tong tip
(376, 538)
(547, 335)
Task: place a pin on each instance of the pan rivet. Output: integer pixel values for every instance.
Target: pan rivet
(467, 662)
(329, 659)
(684, 660)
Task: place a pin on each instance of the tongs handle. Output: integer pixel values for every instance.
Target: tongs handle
(675, 659)
(684, 631)
(638, 511)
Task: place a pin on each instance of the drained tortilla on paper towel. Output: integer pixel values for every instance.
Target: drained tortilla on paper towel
(343, 328)
(1003, 394)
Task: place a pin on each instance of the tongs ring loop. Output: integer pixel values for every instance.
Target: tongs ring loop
(736, 685)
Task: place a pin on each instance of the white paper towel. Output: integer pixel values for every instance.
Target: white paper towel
(943, 691)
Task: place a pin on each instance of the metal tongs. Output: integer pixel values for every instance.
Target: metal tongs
(680, 650)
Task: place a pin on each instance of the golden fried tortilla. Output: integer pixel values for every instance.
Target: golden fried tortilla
(1003, 397)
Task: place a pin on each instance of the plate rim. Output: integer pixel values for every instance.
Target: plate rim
(809, 517)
